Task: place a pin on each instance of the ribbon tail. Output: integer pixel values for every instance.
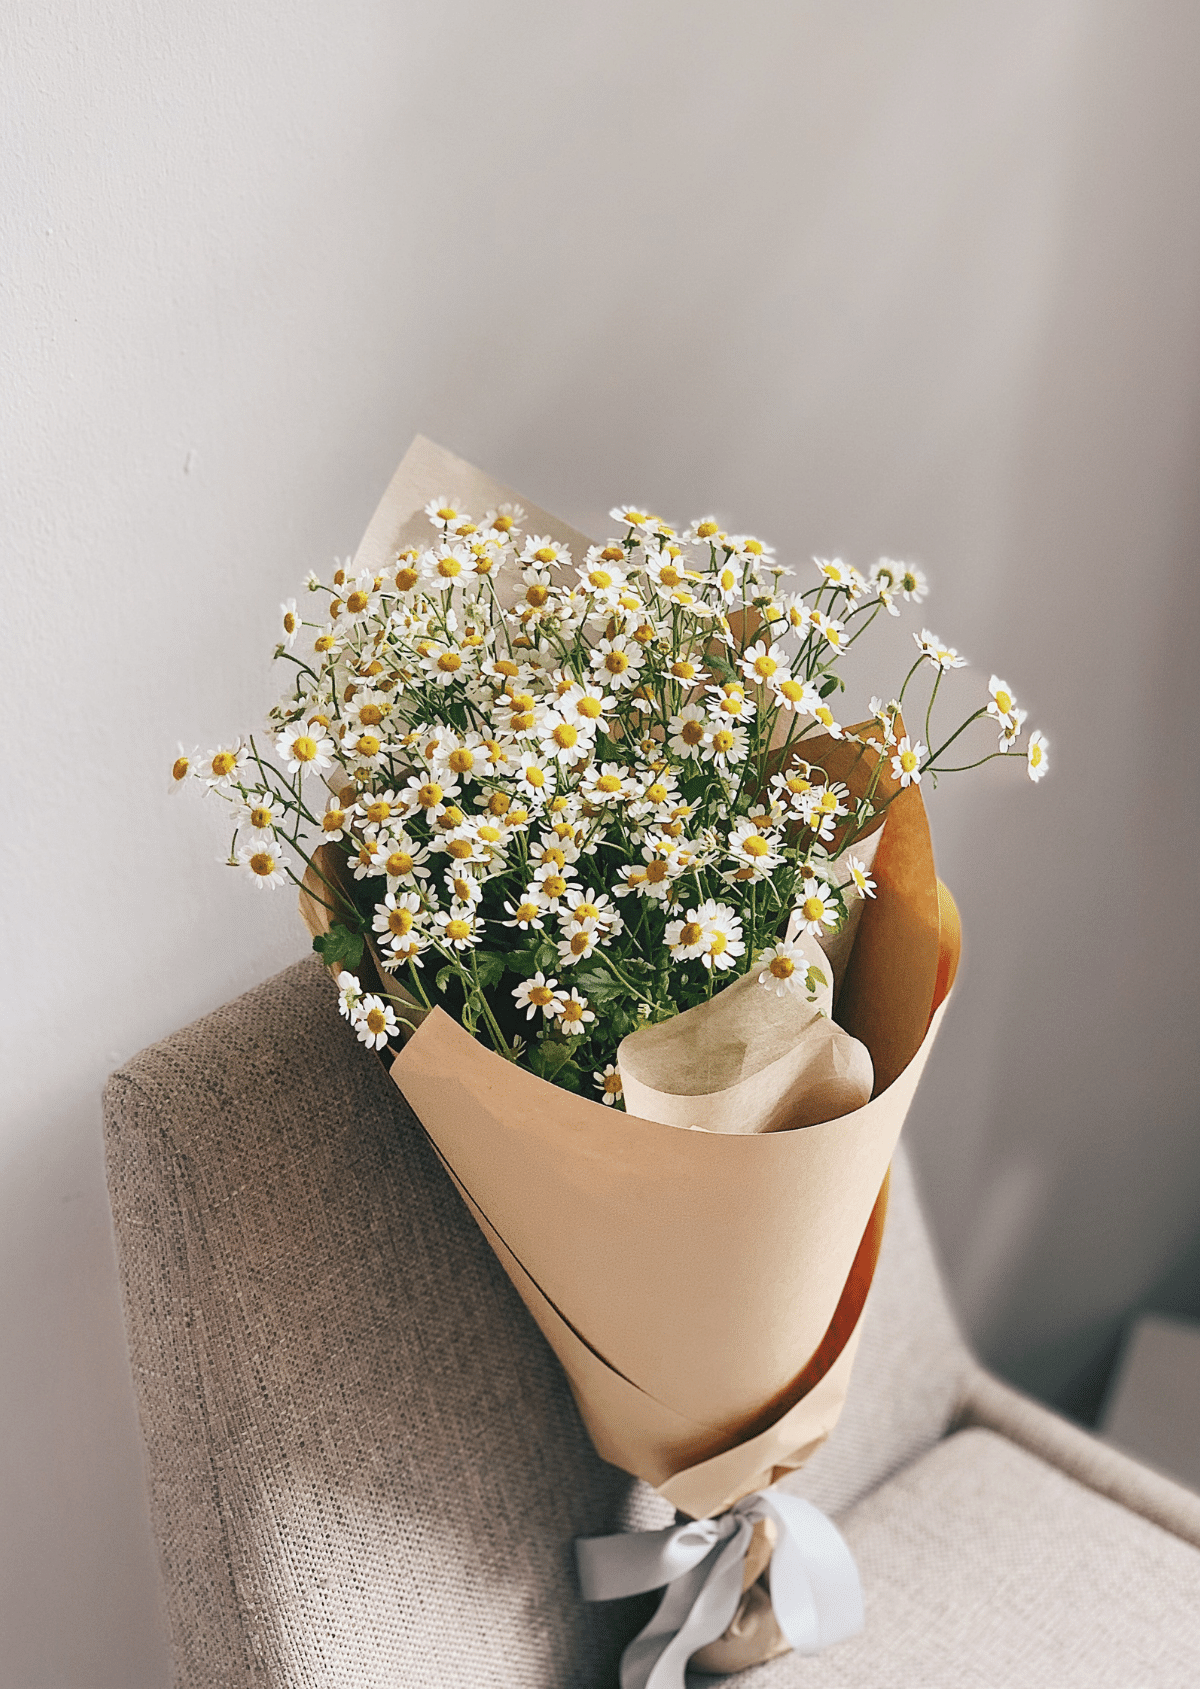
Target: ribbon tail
(694, 1611)
(815, 1587)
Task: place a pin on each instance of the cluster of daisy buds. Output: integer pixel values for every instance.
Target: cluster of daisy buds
(566, 795)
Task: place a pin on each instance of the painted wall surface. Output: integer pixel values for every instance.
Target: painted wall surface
(916, 278)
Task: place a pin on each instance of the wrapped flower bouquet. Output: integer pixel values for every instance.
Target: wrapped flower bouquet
(653, 944)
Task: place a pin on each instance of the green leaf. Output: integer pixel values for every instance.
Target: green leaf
(828, 686)
(443, 977)
(490, 966)
(597, 984)
(339, 947)
(523, 963)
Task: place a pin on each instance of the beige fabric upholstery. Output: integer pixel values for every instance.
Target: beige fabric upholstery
(365, 1467)
(983, 1566)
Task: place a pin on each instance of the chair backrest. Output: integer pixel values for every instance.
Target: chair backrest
(365, 1466)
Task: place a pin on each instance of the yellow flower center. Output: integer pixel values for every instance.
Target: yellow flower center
(498, 803)
(1035, 755)
(609, 783)
(376, 1021)
(644, 634)
(449, 567)
(657, 871)
(367, 745)
(717, 941)
(537, 594)
(546, 554)
(429, 796)
(723, 741)
(589, 708)
(669, 575)
(333, 820)
(565, 736)
(908, 761)
(505, 666)
(782, 967)
(445, 513)
(449, 662)
(581, 943)
(223, 763)
(400, 921)
(462, 889)
(262, 863)
(1004, 702)
(656, 793)
(756, 845)
(323, 642)
(599, 579)
(535, 777)
(754, 547)
(616, 662)
(398, 864)
(824, 715)
(304, 748)
(554, 885)
(706, 530)
(541, 995)
(406, 579)
(260, 817)
(357, 602)
(690, 933)
(813, 908)
(572, 1011)
(727, 580)
(527, 912)
(457, 930)
(552, 855)
(460, 849)
(765, 666)
(289, 622)
(461, 761)
(692, 732)
(585, 912)
(792, 690)
(612, 1085)
(370, 715)
(179, 768)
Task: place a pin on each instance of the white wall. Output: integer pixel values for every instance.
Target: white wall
(917, 277)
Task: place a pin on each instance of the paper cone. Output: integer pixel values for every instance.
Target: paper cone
(702, 1289)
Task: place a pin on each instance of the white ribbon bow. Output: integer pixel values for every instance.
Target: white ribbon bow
(815, 1588)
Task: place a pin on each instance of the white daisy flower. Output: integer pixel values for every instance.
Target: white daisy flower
(396, 916)
(361, 598)
(574, 1016)
(539, 993)
(1002, 702)
(263, 863)
(546, 553)
(456, 927)
(684, 938)
(578, 942)
(349, 991)
(407, 949)
(591, 906)
(443, 664)
(832, 631)
(401, 859)
(364, 749)
(444, 512)
(445, 565)
(609, 783)
(377, 809)
(462, 843)
(618, 661)
(792, 694)
(585, 706)
(225, 763)
(912, 583)
(608, 1081)
(755, 853)
(561, 739)
(374, 1021)
(554, 847)
(428, 797)
(305, 747)
(462, 887)
(759, 664)
(184, 766)
(860, 876)
(504, 518)
(1010, 730)
(941, 656)
(632, 516)
(527, 915)
(784, 968)
(722, 935)
(688, 731)
(259, 813)
(291, 622)
(550, 883)
(603, 574)
(726, 580)
(726, 745)
(816, 910)
(824, 715)
(1037, 759)
(906, 764)
(729, 702)
(534, 778)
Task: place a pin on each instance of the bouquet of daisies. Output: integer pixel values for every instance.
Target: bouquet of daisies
(582, 834)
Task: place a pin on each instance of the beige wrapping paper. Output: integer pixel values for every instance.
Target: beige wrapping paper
(701, 1288)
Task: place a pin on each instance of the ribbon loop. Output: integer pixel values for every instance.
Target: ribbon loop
(814, 1583)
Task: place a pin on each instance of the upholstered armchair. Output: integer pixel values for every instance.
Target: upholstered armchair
(366, 1469)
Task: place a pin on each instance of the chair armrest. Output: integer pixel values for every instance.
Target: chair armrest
(988, 1402)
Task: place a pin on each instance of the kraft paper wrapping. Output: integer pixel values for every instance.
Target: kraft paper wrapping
(701, 1288)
